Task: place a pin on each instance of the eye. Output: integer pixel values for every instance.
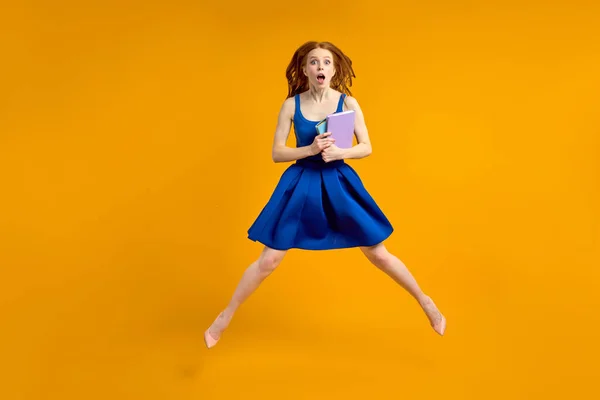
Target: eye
(327, 62)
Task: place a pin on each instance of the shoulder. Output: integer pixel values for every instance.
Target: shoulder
(288, 107)
(351, 103)
(290, 102)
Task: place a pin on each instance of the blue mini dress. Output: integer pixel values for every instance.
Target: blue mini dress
(318, 205)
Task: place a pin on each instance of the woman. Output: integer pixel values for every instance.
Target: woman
(320, 202)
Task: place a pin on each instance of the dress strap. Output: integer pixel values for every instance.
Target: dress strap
(341, 103)
(297, 101)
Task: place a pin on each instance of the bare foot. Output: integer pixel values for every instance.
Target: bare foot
(436, 319)
(219, 325)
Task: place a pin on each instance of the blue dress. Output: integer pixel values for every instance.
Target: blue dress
(318, 205)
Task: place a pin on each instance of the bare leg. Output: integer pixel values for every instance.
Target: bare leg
(393, 267)
(254, 275)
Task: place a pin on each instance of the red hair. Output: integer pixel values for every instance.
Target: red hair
(298, 82)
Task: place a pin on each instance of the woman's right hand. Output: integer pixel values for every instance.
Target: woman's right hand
(322, 141)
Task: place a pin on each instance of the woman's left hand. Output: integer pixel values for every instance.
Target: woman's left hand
(332, 153)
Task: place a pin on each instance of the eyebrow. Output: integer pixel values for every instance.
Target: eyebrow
(313, 57)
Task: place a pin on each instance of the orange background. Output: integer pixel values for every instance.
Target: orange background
(135, 144)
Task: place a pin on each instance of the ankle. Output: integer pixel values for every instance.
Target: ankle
(424, 300)
(227, 313)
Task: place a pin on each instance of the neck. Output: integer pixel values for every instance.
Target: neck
(319, 94)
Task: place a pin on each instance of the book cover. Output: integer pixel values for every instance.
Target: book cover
(341, 126)
(322, 127)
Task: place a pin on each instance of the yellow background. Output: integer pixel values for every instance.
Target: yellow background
(135, 145)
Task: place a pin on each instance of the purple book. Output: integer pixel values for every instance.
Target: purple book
(341, 126)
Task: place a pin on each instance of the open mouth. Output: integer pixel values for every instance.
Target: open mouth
(321, 78)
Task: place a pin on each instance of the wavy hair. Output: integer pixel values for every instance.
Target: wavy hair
(298, 82)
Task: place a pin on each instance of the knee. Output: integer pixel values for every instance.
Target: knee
(378, 256)
(268, 262)
(382, 259)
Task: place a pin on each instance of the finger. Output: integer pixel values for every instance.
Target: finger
(326, 134)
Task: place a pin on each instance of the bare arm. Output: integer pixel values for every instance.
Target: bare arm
(281, 152)
(363, 146)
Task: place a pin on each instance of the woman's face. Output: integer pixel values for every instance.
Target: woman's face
(319, 67)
